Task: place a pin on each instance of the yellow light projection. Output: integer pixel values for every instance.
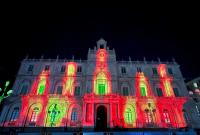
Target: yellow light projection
(69, 81)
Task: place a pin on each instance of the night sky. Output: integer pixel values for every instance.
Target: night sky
(167, 33)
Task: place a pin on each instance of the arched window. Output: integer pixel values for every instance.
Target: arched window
(128, 116)
(101, 84)
(143, 89)
(15, 114)
(166, 116)
(34, 115)
(41, 87)
(74, 115)
(148, 116)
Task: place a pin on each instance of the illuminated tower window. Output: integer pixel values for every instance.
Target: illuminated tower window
(101, 85)
(101, 88)
(159, 92)
(15, 114)
(34, 115)
(74, 115)
(101, 46)
(41, 87)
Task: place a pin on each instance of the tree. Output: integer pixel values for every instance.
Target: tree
(5, 93)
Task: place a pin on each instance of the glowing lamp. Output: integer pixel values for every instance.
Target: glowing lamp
(197, 91)
(191, 93)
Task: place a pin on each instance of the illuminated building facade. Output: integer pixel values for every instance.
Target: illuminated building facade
(99, 92)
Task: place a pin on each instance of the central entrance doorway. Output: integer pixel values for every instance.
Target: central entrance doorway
(101, 118)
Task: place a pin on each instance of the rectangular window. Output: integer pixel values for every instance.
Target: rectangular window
(101, 89)
(139, 69)
(143, 91)
(74, 116)
(77, 91)
(79, 70)
(128, 117)
(46, 67)
(34, 116)
(15, 114)
(63, 68)
(125, 91)
(170, 71)
(24, 89)
(166, 117)
(123, 70)
(176, 93)
(155, 72)
(30, 68)
(148, 117)
(59, 90)
(159, 92)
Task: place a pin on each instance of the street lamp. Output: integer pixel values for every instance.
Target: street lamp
(4, 93)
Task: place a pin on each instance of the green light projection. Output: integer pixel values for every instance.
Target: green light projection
(143, 89)
(56, 111)
(130, 112)
(41, 87)
(101, 84)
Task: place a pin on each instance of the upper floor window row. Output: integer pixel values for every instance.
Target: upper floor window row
(63, 69)
(124, 70)
(139, 69)
(47, 68)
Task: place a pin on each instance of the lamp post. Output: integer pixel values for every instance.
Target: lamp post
(4, 93)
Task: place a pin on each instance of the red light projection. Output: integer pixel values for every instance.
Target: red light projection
(41, 85)
(142, 110)
(143, 88)
(70, 79)
(101, 78)
(166, 81)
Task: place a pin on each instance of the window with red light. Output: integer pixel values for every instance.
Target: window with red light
(166, 116)
(34, 115)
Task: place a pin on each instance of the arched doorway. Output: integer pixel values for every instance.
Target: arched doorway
(101, 118)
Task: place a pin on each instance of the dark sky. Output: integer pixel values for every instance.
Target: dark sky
(165, 32)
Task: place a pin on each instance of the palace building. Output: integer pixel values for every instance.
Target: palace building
(99, 93)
